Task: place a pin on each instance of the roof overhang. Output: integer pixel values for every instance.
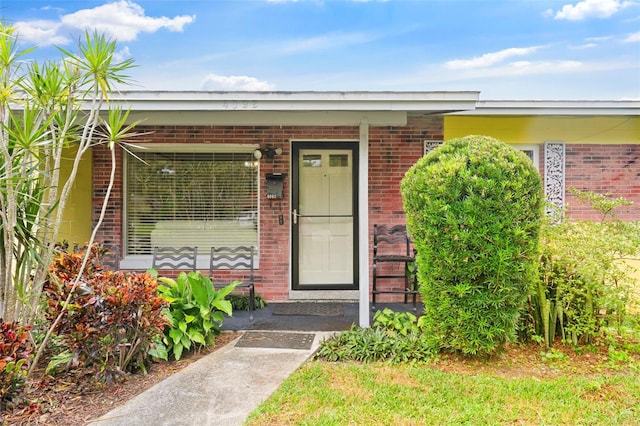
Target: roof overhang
(288, 108)
(551, 108)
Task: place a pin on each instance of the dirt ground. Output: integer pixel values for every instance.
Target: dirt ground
(73, 400)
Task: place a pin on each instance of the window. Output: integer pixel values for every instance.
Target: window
(200, 199)
(532, 151)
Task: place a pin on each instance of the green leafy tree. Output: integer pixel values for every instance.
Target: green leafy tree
(474, 208)
(46, 111)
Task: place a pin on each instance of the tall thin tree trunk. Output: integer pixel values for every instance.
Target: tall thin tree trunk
(76, 282)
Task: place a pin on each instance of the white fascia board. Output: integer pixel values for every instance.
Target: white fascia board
(296, 101)
(554, 108)
(268, 118)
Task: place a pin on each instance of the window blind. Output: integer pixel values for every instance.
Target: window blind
(200, 199)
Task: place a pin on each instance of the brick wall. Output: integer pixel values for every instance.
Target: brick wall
(392, 150)
(603, 169)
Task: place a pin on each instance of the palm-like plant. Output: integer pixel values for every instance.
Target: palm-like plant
(48, 112)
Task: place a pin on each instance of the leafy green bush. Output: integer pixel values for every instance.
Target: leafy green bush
(584, 283)
(474, 207)
(240, 302)
(376, 344)
(113, 320)
(195, 310)
(15, 352)
(395, 337)
(398, 322)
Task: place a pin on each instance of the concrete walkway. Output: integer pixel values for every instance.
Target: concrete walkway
(222, 388)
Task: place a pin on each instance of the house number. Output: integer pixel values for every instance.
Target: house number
(240, 104)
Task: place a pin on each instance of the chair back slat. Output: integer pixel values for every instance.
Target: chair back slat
(390, 236)
(181, 258)
(240, 257)
(234, 258)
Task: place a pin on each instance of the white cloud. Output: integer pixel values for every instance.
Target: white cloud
(123, 20)
(599, 39)
(540, 67)
(548, 13)
(584, 46)
(40, 32)
(55, 9)
(543, 68)
(492, 58)
(326, 41)
(592, 9)
(122, 55)
(235, 82)
(632, 38)
(516, 68)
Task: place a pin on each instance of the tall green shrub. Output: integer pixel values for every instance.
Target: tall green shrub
(474, 207)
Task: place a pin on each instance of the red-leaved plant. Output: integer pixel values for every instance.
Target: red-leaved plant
(113, 321)
(15, 352)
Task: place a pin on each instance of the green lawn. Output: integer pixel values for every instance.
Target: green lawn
(322, 393)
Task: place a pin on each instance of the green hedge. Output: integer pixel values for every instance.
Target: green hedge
(474, 207)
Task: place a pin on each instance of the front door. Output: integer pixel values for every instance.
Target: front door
(324, 216)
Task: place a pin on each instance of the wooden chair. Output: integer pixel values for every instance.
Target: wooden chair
(235, 258)
(182, 258)
(110, 258)
(391, 244)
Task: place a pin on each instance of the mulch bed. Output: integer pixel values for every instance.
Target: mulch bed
(75, 399)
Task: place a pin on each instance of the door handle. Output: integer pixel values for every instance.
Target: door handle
(294, 213)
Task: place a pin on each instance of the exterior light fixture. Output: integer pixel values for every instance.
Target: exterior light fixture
(269, 152)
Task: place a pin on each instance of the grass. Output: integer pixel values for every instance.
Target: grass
(526, 384)
(322, 393)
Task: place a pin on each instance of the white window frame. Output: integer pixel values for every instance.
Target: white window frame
(534, 149)
(143, 261)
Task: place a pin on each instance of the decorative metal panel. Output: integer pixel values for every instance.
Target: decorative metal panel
(430, 146)
(554, 161)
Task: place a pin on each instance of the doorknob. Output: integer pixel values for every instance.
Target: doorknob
(294, 213)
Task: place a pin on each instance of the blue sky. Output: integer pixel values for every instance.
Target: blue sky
(506, 49)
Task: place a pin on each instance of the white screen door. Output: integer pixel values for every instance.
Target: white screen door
(323, 216)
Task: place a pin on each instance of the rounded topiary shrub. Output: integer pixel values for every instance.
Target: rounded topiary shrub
(474, 207)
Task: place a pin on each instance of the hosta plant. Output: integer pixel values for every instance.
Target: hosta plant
(195, 310)
(398, 322)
